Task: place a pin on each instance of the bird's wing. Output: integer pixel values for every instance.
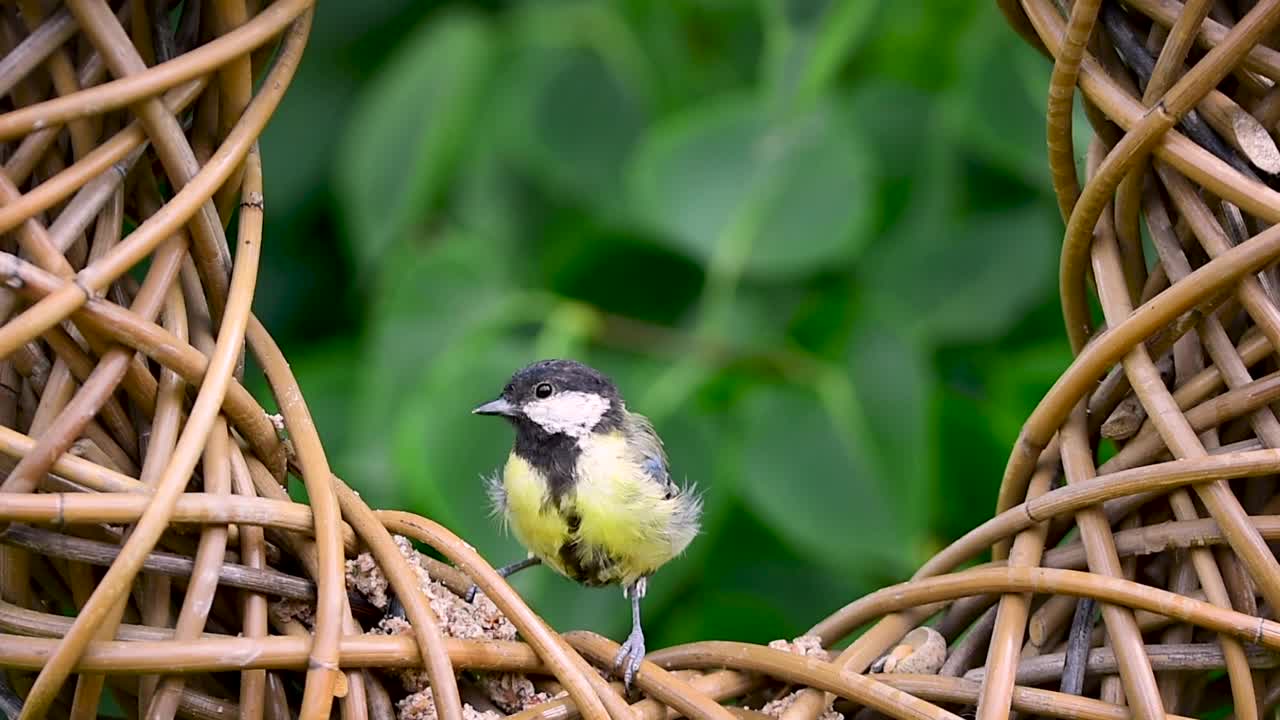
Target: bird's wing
(644, 441)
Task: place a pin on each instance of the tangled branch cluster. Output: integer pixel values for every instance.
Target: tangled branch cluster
(148, 549)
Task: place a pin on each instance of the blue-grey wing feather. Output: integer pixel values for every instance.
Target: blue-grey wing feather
(656, 467)
(652, 458)
(648, 446)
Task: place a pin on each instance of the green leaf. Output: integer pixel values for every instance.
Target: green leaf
(970, 283)
(989, 110)
(428, 299)
(408, 130)
(346, 25)
(897, 121)
(314, 117)
(1018, 381)
(324, 374)
(806, 43)
(574, 98)
(971, 457)
(338, 62)
(840, 30)
(753, 586)
(566, 605)
(816, 485)
(823, 319)
(432, 295)
(579, 256)
(988, 395)
(726, 183)
(696, 49)
(915, 43)
(486, 198)
(756, 321)
(109, 707)
(441, 452)
(573, 121)
(894, 381)
(743, 616)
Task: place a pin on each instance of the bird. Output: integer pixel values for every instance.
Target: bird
(587, 487)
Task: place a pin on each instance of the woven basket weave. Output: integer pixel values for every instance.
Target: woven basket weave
(143, 485)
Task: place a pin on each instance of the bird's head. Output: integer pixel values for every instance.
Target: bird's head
(558, 397)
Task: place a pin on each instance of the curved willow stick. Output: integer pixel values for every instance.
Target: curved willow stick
(862, 689)
(593, 696)
(201, 61)
(155, 520)
(1042, 580)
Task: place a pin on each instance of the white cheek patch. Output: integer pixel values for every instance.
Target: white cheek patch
(572, 413)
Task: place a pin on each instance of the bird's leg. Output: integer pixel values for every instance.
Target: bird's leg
(631, 654)
(506, 571)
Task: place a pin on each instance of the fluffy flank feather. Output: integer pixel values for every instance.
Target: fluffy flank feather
(687, 520)
(497, 493)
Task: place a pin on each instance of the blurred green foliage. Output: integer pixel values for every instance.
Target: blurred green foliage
(813, 240)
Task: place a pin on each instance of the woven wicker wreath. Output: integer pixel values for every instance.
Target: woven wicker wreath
(143, 485)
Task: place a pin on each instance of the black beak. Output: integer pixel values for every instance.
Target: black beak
(501, 406)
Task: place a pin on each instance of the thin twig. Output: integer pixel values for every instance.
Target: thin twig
(1074, 665)
(267, 581)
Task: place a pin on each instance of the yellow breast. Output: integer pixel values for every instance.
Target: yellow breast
(536, 524)
(627, 527)
(625, 513)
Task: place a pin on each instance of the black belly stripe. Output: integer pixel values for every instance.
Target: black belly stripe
(583, 568)
(572, 562)
(556, 457)
(580, 564)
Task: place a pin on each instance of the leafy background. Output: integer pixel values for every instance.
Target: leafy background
(812, 240)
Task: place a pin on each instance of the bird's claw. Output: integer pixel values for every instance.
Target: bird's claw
(471, 594)
(629, 657)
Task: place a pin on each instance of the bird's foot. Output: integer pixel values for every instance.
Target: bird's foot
(629, 657)
(471, 594)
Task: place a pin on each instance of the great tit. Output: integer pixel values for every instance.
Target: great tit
(586, 487)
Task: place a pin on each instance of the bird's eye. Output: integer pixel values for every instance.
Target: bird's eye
(543, 390)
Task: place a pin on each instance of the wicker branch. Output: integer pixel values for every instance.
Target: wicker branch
(114, 392)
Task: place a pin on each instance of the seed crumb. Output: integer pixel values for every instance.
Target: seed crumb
(458, 619)
(365, 577)
(421, 706)
(512, 692)
(413, 679)
(287, 609)
(774, 708)
(804, 646)
(479, 620)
